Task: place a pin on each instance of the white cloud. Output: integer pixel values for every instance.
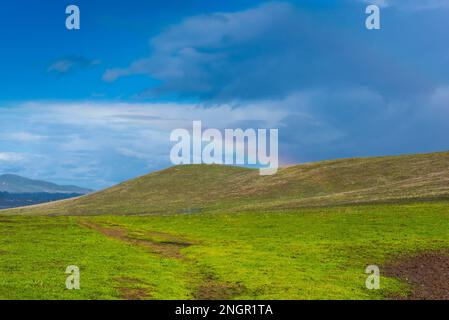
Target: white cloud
(99, 144)
(178, 49)
(11, 157)
(439, 100)
(61, 66)
(22, 137)
(410, 4)
(69, 64)
(155, 116)
(249, 54)
(380, 3)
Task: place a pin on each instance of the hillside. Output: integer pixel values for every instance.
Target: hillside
(11, 183)
(195, 188)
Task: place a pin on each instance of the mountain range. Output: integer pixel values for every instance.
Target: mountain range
(17, 191)
(16, 184)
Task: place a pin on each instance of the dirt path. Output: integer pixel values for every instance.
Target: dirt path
(168, 246)
(428, 275)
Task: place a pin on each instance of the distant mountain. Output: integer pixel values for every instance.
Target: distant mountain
(14, 184)
(14, 200)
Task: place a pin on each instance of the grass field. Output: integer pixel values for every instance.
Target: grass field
(315, 253)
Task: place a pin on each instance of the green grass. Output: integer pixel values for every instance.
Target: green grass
(318, 253)
(35, 252)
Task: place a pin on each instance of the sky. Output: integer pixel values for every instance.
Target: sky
(95, 106)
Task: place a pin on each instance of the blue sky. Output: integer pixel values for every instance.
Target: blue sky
(96, 106)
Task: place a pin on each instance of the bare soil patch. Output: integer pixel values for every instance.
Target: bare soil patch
(8, 221)
(129, 289)
(427, 274)
(211, 289)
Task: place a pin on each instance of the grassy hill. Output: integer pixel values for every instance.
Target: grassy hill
(294, 235)
(196, 188)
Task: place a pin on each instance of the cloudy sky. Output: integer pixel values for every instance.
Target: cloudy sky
(96, 106)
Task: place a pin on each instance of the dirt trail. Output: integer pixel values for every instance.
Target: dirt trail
(428, 275)
(169, 246)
